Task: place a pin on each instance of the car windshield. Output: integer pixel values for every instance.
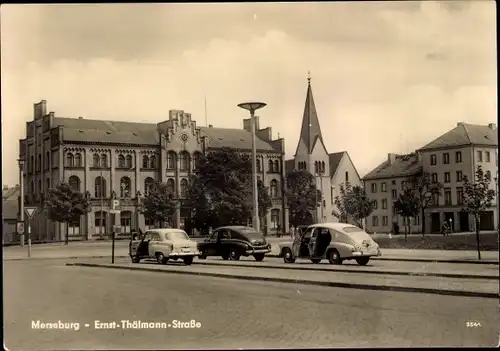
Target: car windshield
(356, 233)
(250, 233)
(178, 235)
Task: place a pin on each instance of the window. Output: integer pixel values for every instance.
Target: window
(104, 161)
(479, 156)
(447, 196)
(125, 221)
(100, 187)
(274, 188)
(74, 226)
(74, 183)
(152, 162)
(385, 221)
(148, 185)
(121, 161)
(332, 197)
(184, 158)
(374, 187)
(403, 185)
(47, 184)
(458, 156)
(275, 218)
(39, 164)
(100, 222)
(394, 194)
(276, 166)
(270, 166)
(78, 160)
(446, 158)
(184, 188)
(447, 177)
(346, 176)
(460, 176)
(433, 160)
(393, 182)
(171, 159)
(416, 220)
(47, 160)
(95, 160)
(488, 174)
(148, 223)
(259, 168)
(375, 221)
(145, 161)
(128, 161)
(70, 160)
(384, 187)
(197, 158)
(434, 177)
(125, 186)
(394, 212)
(460, 196)
(375, 204)
(487, 155)
(384, 204)
(171, 185)
(435, 199)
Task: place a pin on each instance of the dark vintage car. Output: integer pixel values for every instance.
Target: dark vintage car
(232, 242)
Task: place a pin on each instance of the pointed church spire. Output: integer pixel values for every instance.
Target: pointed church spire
(310, 130)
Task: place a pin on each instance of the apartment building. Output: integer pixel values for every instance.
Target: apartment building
(449, 158)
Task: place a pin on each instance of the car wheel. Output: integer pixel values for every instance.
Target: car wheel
(315, 260)
(234, 255)
(188, 260)
(288, 256)
(135, 259)
(363, 261)
(259, 257)
(161, 258)
(334, 257)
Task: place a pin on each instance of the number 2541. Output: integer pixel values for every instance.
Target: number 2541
(472, 324)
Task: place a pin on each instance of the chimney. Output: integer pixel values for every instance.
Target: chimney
(391, 158)
(492, 126)
(460, 124)
(210, 126)
(248, 126)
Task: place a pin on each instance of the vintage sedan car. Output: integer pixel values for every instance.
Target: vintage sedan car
(232, 242)
(336, 242)
(164, 244)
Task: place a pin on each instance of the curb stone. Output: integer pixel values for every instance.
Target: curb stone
(301, 281)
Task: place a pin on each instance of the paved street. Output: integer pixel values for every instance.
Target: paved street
(232, 314)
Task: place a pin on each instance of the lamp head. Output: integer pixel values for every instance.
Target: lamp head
(251, 106)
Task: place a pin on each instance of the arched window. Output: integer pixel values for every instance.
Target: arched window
(145, 161)
(104, 160)
(100, 187)
(275, 218)
(184, 188)
(39, 190)
(171, 160)
(47, 160)
(171, 185)
(39, 165)
(184, 158)
(95, 160)
(276, 166)
(121, 161)
(128, 161)
(125, 221)
(78, 160)
(316, 168)
(323, 166)
(270, 166)
(259, 167)
(196, 160)
(100, 222)
(47, 184)
(74, 183)
(152, 162)
(32, 187)
(148, 185)
(274, 188)
(125, 187)
(70, 160)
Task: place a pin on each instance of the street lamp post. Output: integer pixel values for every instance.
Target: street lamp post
(21, 197)
(252, 107)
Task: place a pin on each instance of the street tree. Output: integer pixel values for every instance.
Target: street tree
(426, 191)
(66, 205)
(159, 204)
(477, 198)
(302, 197)
(342, 203)
(358, 205)
(408, 206)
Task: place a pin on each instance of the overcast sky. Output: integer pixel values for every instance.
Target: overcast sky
(386, 76)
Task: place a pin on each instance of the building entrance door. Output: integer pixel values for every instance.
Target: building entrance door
(435, 223)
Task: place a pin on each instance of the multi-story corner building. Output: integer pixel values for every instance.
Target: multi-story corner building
(449, 158)
(329, 169)
(110, 160)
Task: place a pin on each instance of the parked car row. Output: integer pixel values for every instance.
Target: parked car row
(336, 242)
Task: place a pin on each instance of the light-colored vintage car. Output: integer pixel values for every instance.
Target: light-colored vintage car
(336, 242)
(164, 244)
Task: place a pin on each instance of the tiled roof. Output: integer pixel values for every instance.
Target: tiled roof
(465, 134)
(403, 166)
(334, 160)
(289, 165)
(233, 138)
(102, 136)
(9, 209)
